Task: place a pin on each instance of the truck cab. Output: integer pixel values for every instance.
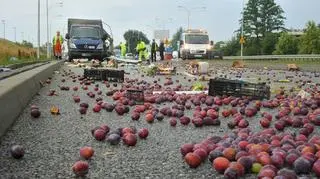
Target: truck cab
(196, 44)
(87, 39)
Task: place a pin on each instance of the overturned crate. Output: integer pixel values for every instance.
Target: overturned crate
(105, 74)
(167, 71)
(238, 88)
(166, 68)
(136, 95)
(115, 75)
(95, 74)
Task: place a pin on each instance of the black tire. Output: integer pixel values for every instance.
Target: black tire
(70, 59)
(183, 57)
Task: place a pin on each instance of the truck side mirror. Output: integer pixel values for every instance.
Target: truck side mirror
(67, 36)
(211, 43)
(181, 42)
(104, 37)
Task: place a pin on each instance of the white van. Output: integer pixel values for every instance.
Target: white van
(196, 44)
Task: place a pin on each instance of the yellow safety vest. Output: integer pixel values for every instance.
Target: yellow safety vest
(55, 39)
(123, 46)
(141, 46)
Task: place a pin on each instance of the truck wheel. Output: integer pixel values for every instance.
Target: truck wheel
(70, 59)
(183, 57)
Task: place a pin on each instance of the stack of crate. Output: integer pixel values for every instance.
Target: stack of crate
(238, 88)
(105, 74)
(136, 95)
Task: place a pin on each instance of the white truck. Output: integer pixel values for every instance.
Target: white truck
(195, 43)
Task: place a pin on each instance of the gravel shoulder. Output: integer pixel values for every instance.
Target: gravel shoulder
(52, 143)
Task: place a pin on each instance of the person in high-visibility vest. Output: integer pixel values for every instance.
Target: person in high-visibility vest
(123, 49)
(154, 48)
(161, 50)
(57, 45)
(141, 48)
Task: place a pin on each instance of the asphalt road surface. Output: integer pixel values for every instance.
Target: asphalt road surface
(52, 143)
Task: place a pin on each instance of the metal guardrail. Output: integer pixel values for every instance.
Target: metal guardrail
(274, 57)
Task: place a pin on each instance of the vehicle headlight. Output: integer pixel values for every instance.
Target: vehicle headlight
(72, 45)
(209, 47)
(100, 46)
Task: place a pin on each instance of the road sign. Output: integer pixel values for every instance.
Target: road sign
(166, 41)
(242, 41)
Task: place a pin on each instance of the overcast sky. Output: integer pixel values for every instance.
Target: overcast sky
(220, 17)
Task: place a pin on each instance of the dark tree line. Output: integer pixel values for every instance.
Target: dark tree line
(265, 34)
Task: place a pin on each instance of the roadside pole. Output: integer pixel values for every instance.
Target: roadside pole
(38, 49)
(4, 28)
(48, 42)
(242, 38)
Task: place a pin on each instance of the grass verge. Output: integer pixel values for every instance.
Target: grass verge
(15, 53)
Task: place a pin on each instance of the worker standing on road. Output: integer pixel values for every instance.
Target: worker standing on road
(161, 50)
(154, 48)
(57, 45)
(141, 48)
(123, 49)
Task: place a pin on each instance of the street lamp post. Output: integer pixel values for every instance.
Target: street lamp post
(38, 49)
(60, 4)
(22, 36)
(242, 21)
(4, 28)
(15, 34)
(48, 47)
(189, 12)
(163, 22)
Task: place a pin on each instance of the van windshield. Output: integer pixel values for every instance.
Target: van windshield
(197, 39)
(89, 32)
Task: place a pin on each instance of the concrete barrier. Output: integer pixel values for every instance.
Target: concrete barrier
(18, 90)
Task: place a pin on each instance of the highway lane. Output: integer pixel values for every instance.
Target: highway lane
(52, 143)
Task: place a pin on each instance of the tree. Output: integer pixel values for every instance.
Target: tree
(232, 47)
(219, 45)
(27, 44)
(287, 44)
(132, 37)
(272, 19)
(251, 47)
(250, 19)
(310, 41)
(176, 37)
(269, 42)
(262, 17)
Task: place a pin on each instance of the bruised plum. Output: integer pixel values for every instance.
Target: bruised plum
(302, 166)
(17, 151)
(35, 113)
(113, 139)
